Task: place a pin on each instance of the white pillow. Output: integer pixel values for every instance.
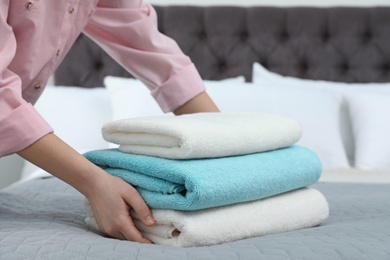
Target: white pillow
(316, 110)
(76, 115)
(131, 98)
(371, 129)
(262, 76)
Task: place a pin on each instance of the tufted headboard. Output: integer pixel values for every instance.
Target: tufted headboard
(335, 44)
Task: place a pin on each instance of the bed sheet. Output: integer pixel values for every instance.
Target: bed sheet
(44, 219)
(353, 175)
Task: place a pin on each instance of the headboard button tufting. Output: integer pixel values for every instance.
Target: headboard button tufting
(325, 36)
(386, 68)
(327, 41)
(98, 65)
(283, 37)
(367, 36)
(244, 36)
(304, 66)
(202, 36)
(344, 67)
(264, 63)
(222, 65)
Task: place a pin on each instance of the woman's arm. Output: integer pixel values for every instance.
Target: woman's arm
(110, 197)
(200, 103)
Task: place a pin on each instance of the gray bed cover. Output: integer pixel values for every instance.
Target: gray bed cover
(44, 219)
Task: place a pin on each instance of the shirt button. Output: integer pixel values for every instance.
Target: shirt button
(37, 86)
(70, 9)
(58, 52)
(29, 5)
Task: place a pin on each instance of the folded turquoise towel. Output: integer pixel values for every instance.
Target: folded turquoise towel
(204, 183)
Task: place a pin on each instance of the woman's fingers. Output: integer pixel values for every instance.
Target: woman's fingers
(131, 233)
(111, 205)
(125, 230)
(134, 199)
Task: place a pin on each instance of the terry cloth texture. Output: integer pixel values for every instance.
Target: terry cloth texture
(203, 135)
(204, 183)
(289, 211)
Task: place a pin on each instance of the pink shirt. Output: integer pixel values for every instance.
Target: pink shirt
(35, 36)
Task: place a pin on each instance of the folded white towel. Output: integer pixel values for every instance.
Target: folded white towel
(203, 135)
(289, 211)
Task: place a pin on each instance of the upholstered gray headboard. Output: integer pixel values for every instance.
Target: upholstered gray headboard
(335, 44)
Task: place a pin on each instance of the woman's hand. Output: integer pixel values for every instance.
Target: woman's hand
(111, 198)
(111, 202)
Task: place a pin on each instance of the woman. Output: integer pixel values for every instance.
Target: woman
(34, 37)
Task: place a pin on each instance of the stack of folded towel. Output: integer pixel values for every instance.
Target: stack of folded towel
(211, 178)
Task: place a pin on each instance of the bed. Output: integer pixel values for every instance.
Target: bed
(327, 67)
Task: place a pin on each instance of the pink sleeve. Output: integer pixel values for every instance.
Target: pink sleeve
(20, 124)
(127, 30)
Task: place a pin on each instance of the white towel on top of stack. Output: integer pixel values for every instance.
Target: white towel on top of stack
(203, 135)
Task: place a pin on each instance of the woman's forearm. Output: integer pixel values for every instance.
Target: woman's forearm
(110, 197)
(200, 103)
(56, 157)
